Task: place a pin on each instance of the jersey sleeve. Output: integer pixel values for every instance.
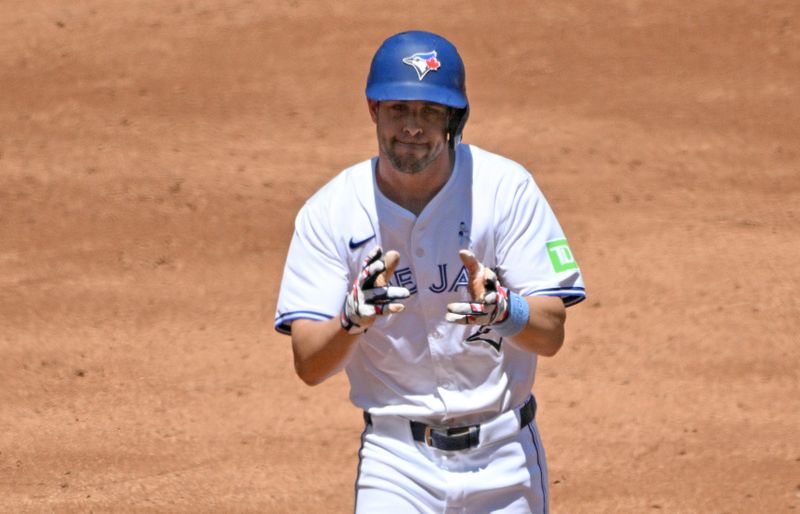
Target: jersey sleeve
(315, 278)
(533, 256)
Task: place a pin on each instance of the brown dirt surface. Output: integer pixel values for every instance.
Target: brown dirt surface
(153, 156)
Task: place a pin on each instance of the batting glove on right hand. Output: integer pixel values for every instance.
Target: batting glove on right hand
(488, 303)
(371, 294)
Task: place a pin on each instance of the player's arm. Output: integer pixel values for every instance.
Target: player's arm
(534, 323)
(544, 331)
(321, 348)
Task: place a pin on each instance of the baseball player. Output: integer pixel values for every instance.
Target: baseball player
(434, 274)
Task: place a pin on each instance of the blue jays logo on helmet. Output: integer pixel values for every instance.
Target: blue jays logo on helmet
(423, 62)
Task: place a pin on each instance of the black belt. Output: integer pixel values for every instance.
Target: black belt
(458, 438)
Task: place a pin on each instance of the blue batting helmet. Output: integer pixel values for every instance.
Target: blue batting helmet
(423, 66)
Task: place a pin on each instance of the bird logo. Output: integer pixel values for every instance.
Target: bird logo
(423, 62)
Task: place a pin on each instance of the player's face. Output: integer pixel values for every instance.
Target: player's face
(411, 134)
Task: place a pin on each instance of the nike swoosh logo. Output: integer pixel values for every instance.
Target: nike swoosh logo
(355, 244)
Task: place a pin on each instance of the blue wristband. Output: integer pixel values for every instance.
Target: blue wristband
(518, 314)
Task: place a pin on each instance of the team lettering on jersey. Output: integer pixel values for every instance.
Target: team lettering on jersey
(403, 277)
(449, 283)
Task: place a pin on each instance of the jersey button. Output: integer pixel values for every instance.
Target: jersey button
(420, 252)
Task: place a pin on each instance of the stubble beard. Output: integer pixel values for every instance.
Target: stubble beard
(409, 164)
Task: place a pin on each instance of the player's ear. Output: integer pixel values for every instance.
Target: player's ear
(373, 109)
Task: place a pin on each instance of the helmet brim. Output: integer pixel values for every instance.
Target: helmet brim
(421, 91)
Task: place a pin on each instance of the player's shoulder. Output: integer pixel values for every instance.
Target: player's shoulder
(491, 167)
(341, 190)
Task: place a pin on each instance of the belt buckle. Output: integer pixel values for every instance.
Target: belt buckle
(451, 432)
(428, 439)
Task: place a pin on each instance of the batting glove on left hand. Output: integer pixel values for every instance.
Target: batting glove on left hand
(371, 294)
(489, 300)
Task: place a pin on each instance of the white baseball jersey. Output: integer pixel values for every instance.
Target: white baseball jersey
(414, 363)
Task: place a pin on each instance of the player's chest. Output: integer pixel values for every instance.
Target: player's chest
(429, 261)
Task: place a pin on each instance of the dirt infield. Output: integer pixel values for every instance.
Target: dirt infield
(153, 156)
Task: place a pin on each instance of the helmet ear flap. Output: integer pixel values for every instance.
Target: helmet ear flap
(458, 118)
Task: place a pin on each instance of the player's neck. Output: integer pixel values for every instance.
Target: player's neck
(413, 191)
